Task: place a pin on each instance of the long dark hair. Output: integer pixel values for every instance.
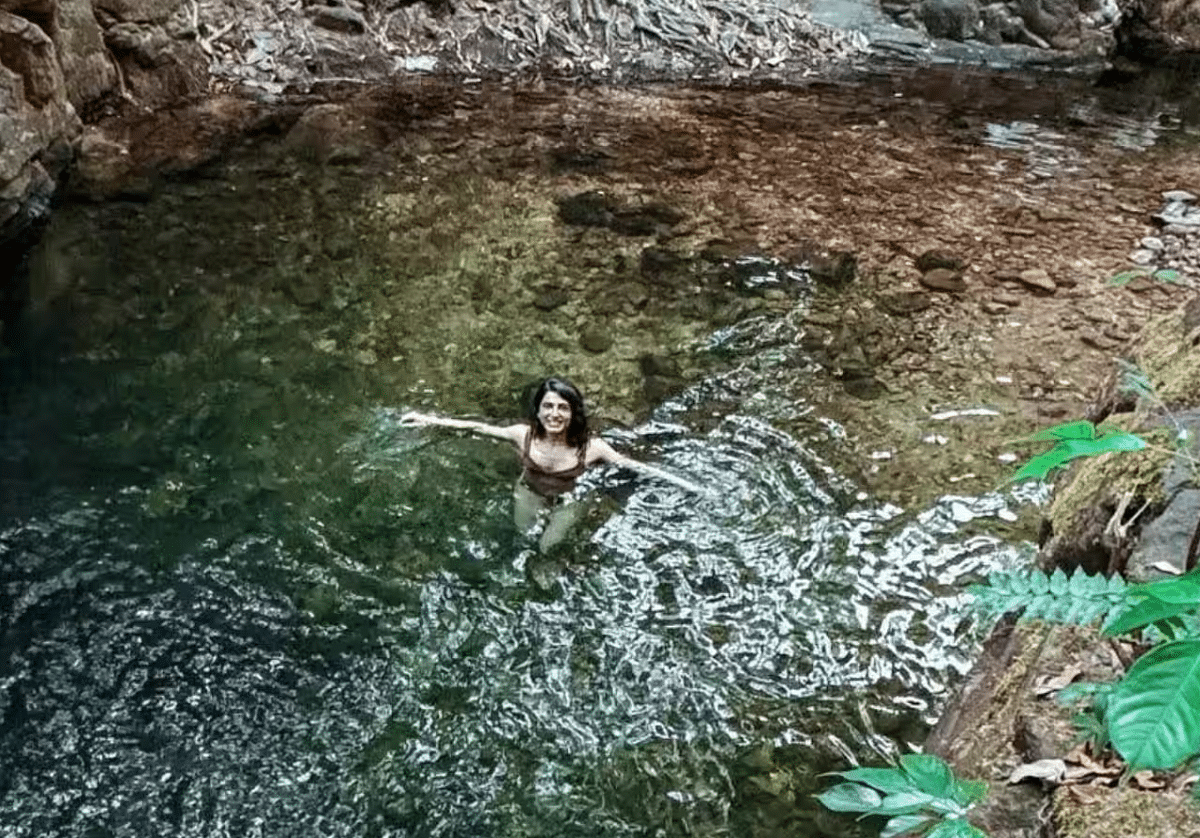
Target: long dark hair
(577, 429)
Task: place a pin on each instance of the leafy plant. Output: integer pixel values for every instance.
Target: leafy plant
(1162, 275)
(1072, 440)
(1077, 599)
(1090, 720)
(920, 797)
(1152, 715)
(1162, 604)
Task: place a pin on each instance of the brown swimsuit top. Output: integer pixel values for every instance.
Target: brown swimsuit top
(550, 483)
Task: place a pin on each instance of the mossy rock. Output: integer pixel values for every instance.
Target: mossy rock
(1169, 359)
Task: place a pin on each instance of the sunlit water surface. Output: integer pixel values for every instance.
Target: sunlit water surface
(369, 649)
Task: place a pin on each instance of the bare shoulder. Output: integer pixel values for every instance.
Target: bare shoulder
(599, 451)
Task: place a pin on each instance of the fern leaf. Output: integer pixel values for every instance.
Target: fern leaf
(1039, 583)
(1077, 599)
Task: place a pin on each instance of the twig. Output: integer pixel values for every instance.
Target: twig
(1118, 527)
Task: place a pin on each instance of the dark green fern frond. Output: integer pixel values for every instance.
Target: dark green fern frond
(1077, 599)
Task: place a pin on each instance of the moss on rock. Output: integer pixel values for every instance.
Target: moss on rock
(1085, 812)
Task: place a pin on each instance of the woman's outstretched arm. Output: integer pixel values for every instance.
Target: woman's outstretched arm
(513, 433)
(601, 451)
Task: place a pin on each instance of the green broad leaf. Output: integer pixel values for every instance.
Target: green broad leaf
(1126, 277)
(1147, 611)
(850, 797)
(902, 824)
(904, 803)
(929, 773)
(1116, 441)
(955, 828)
(1172, 629)
(1041, 465)
(1167, 275)
(1183, 589)
(1070, 448)
(886, 780)
(1082, 429)
(969, 792)
(1153, 714)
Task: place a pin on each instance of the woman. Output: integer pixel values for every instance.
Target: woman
(555, 449)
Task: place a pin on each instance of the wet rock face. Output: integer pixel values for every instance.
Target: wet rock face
(76, 48)
(58, 58)
(35, 138)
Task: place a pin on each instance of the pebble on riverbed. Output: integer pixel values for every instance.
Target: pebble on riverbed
(1176, 247)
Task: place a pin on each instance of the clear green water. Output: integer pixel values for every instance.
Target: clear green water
(240, 600)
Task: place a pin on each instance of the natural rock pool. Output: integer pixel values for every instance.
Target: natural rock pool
(240, 599)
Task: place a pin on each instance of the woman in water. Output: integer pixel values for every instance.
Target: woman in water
(555, 448)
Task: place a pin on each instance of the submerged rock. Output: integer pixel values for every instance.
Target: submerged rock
(904, 303)
(944, 279)
(587, 209)
(596, 339)
(931, 259)
(837, 269)
(550, 297)
(1038, 279)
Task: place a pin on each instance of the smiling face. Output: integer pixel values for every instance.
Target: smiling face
(554, 413)
(557, 409)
